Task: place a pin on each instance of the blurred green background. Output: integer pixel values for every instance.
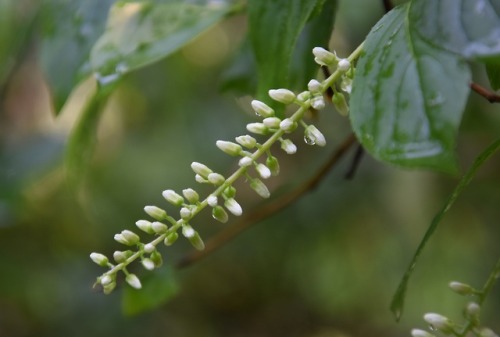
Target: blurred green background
(327, 266)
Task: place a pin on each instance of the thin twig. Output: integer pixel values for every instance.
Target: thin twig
(269, 209)
(355, 162)
(490, 96)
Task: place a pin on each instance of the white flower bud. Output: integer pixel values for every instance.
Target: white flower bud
(219, 214)
(473, 309)
(188, 231)
(340, 103)
(344, 65)
(212, 200)
(318, 102)
(200, 169)
(130, 236)
(262, 109)
(185, 213)
(171, 238)
(216, 179)
(421, 333)
(272, 122)
(172, 197)
(288, 125)
(314, 86)
(106, 279)
(284, 96)
(108, 288)
(133, 281)
(247, 141)
(304, 96)
(257, 128)
(288, 146)
(200, 179)
(100, 259)
(148, 264)
(156, 258)
(273, 164)
(144, 226)
(159, 227)
(120, 256)
(461, 288)
(121, 239)
(258, 186)
(233, 207)
(346, 84)
(230, 192)
(149, 248)
(439, 322)
(230, 148)
(196, 241)
(313, 136)
(191, 195)
(245, 161)
(323, 57)
(155, 212)
(487, 332)
(263, 171)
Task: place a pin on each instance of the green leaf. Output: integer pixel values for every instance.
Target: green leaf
(470, 28)
(397, 303)
(274, 27)
(140, 33)
(70, 30)
(157, 289)
(493, 71)
(408, 97)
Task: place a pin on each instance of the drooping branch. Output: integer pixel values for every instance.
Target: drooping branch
(252, 218)
(490, 96)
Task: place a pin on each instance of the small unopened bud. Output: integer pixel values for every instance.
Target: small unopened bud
(120, 256)
(191, 195)
(257, 128)
(288, 125)
(108, 288)
(196, 241)
(304, 96)
(461, 288)
(288, 146)
(171, 238)
(159, 227)
(262, 109)
(200, 179)
(323, 57)
(313, 136)
(172, 197)
(148, 264)
(284, 96)
(155, 212)
(100, 259)
(133, 281)
(188, 231)
(245, 161)
(185, 213)
(247, 141)
(130, 236)
(272, 122)
(487, 332)
(318, 102)
(219, 214)
(340, 103)
(230, 148)
(346, 84)
(144, 226)
(216, 178)
(230, 192)
(344, 65)
(212, 200)
(156, 258)
(314, 86)
(473, 310)
(421, 333)
(106, 279)
(149, 248)
(258, 186)
(200, 169)
(263, 171)
(273, 164)
(233, 207)
(439, 322)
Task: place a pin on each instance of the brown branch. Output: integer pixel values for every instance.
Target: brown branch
(355, 162)
(269, 209)
(388, 5)
(490, 96)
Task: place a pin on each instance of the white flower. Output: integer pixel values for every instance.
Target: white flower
(247, 141)
(421, 333)
(149, 248)
(344, 65)
(461, 288)
(188, 231)
(212, 200)
(191, 195)
(155, 212)
(185, 213)
(245, 161)
(262, 109)
(257, 128)
(315, 136)
(258, 186)
(284, 96)
(288, 125)
(144, 226)
(159, 227)
(272, 122)
(314, 86)
(120, 256)
(100, 259)
(200, 179)
(439, 322)
(323, 57)
(201, 169)
(172, 197)
(133, 281)
(288, 146)
(148, 264)
(230, 148)
(318, 102)
(106, 279)
(233, 207)
(216, 178)
(263, 171)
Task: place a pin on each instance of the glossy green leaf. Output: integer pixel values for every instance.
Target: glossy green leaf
(274, 27)
(397, 303)
(70, 29)
(408, 96)
(467, 27)
(140, 33)
(157, 289)
(493, 71)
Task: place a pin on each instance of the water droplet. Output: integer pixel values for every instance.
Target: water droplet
(432, 327)
(436, 99)
(105, 80)
(121, 68)
(257, 114)
(309, 140)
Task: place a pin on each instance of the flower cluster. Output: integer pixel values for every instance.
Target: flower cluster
(222, 201)
(444, 325)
